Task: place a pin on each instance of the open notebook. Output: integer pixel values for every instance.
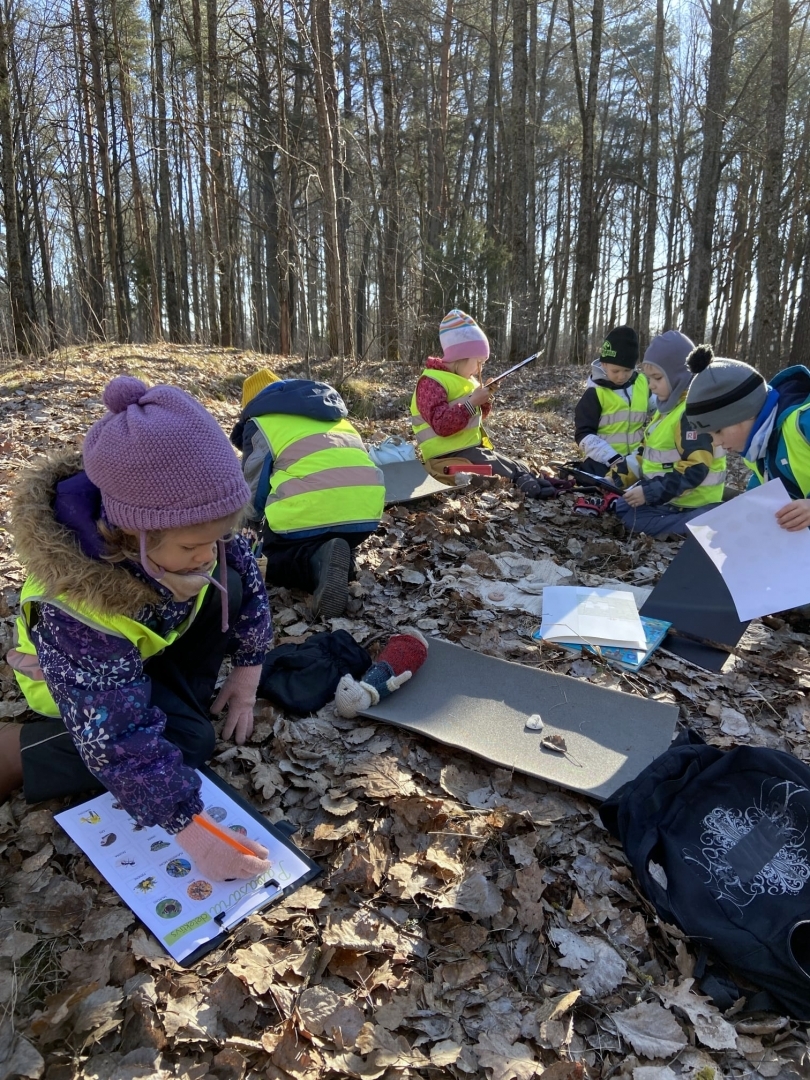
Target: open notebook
(188, 914)
(576, 613)
(655, 630)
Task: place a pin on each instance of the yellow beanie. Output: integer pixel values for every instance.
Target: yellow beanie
(254, 384)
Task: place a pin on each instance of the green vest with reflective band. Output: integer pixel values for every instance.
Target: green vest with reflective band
(660, 452)
(146, 641)
(322, 475)
(792, 454)
(621, 423)
(458, 390)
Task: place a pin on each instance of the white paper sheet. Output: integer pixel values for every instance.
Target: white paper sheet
(160, 882)
(766, 568)
(592, 616)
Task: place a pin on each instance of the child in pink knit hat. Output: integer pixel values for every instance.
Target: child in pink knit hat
(137, 589)
(450, 404)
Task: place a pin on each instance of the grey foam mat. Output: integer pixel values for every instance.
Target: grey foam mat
(480, 704)
(408, 480)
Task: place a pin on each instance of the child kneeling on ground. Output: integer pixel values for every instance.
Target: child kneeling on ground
(610, 416)
(123, 628)
(312, 483)
(449, 406)
(680, 472)
(767, 423)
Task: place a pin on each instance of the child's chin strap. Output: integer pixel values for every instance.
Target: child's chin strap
(151, 570)
(222, 584)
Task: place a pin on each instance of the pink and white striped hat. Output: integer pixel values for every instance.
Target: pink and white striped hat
(462, 338)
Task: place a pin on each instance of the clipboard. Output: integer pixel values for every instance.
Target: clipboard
(511, 370)
(158, 881)
(589, 478)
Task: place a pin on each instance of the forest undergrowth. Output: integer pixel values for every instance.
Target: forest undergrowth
(470, 921)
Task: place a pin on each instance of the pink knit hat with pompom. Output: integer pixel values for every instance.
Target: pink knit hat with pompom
(160, 460)
(462, 338)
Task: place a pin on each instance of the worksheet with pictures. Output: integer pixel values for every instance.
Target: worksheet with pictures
(159, 881)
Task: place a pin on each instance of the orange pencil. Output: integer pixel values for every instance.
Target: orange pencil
(228, 838)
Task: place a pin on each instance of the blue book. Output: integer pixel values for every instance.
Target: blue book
(655, 630)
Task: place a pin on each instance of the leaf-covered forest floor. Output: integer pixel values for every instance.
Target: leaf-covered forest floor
(470, 922)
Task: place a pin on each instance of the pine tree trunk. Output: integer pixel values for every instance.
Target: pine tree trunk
(522, 314)
(95, 308)
(586, 255)
(328, 171)
(800, 346)
(651, 225)
(723, 20)
(25, 330)
(767, 327)
(223, 252)
(390, 298)
(100, 112)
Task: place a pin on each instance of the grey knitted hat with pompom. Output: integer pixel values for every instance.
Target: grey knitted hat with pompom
(723, 392)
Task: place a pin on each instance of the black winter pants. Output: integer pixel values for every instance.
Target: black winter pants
(183, 680)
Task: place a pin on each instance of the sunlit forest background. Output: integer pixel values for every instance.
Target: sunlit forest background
(327, 179)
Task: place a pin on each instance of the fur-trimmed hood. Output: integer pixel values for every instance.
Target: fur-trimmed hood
(52, 553)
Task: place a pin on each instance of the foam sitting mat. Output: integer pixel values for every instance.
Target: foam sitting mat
(409, 480)
(481, 704)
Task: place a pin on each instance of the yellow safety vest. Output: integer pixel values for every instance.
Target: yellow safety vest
(458, 390)
(322, 475)
(796, 453)
(146, 641)
(660, 452)
(621, 423)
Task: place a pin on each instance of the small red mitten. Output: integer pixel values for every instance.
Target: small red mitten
(405, 652)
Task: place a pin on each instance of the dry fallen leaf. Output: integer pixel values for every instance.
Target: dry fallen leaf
(651, 1030)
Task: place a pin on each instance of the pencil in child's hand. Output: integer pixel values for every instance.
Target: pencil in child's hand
(209, 826)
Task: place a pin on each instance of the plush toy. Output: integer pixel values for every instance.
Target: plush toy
(402, 656)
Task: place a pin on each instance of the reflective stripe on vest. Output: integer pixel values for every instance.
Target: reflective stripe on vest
(661, 451)
(458, 390)
(621, 423)
(795, 457)
(146, 641)
(322, 475)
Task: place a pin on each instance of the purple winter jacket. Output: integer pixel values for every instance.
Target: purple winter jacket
(98, 679)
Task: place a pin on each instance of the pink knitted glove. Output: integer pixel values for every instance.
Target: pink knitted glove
(239, 694)
(217, 860)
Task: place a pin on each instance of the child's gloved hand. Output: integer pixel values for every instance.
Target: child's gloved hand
(216, 859)
(239, 694)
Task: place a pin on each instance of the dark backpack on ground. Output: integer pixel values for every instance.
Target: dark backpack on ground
(303, 678)
(720, 844)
